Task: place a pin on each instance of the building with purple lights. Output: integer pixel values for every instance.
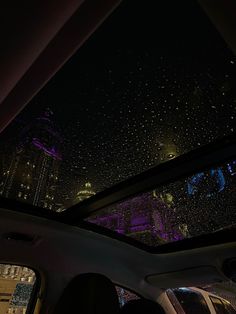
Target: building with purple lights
(146, 218)
(32, 171)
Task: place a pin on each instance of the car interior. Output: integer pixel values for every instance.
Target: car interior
(118, 156)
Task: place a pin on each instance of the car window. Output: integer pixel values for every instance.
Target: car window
(226, 290)
(222, 306)
(125, 295)
(186, 208)
(191, 301)
(228, 307)
(218, 305)
(174, 301)
(16, 288)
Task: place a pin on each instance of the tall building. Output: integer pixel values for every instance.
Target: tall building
(32, 172)
(85, 193)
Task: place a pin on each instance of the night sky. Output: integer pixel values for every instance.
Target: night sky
(149, 85)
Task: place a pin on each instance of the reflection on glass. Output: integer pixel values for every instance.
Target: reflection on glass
(125, 295)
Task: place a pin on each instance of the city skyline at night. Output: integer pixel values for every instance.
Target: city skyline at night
(118, 157)
(126, 107)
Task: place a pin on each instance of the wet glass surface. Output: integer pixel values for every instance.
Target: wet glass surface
(135, 95)
(200, 204)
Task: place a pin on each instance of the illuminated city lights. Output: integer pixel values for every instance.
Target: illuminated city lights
(115, 110)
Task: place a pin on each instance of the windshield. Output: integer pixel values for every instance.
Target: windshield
(148, 86)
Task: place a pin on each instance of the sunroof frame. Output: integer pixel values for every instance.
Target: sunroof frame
(211, 155)
(198, 160)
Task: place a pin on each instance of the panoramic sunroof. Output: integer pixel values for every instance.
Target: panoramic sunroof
(200, 204)
(148, 86)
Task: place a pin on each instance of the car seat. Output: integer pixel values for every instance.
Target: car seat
(88, 294)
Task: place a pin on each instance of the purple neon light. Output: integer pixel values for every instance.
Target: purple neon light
(49, 151)
(139, 215)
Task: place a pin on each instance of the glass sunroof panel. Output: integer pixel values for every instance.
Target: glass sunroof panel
(148, 86)
(190, 207)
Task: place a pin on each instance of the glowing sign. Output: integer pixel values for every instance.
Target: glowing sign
(208, 183)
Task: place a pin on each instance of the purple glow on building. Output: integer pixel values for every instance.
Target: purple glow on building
(49, 151)
(145, 218)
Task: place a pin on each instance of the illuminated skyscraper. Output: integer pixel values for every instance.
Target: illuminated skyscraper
(32, 172)
(85, 193)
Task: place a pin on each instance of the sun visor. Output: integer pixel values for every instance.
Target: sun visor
(197, 276)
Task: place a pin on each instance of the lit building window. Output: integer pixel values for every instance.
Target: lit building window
(19, 194)
(30, 279)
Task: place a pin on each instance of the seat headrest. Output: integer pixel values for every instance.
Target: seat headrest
(89, 294)
(142, 306)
